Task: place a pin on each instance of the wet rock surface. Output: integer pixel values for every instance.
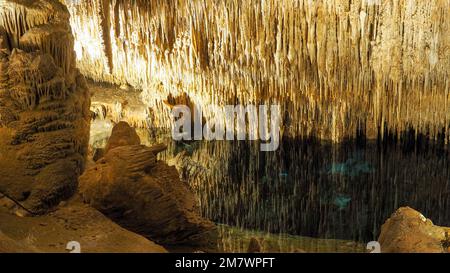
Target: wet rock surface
(408, 231)
(145, 196)
(44, 105)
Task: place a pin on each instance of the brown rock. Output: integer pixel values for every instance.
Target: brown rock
(158, 148)
(73, 222)
(145, 196)
(408, 231)
(122, 135)
(3, 39)
(44, 106)
(8, 245)
(98, 153)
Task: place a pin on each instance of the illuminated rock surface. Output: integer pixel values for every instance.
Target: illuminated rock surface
(145, 195)
(408, 231)
(44, 105)
(114, 103)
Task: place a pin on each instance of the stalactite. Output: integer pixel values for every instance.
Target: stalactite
(34, 79)
(336, 67)
(47, 38)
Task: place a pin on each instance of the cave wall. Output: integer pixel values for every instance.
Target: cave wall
(337, 67)
(44, 105)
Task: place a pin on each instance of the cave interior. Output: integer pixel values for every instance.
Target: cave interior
(357, 95)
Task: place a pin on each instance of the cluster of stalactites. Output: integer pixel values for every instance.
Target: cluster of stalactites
(34, 79)
(37, 59)
(40, 26)
(336, 67)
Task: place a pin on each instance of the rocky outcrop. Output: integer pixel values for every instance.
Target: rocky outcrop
(73, 221)
(408, 231)
(144, 195)
(44, 105)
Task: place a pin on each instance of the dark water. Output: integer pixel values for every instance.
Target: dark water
(306, 188)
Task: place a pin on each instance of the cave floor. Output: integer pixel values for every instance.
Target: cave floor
(72, 221)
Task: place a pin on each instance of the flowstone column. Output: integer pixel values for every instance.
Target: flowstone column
(44, 105)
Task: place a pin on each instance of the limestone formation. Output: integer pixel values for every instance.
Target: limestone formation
(116, 104)
(73, 221)
(122, 135)
(337, 67)
(44, 105)
(3, 39)
(145, 195)
(408, 231)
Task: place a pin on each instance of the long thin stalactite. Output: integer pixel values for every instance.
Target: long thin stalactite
(338, 68)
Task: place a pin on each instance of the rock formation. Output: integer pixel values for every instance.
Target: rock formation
(337, 67)
(44, 105)
(122, 135)
(72, 221)
(408, 231)
(145, 195)
(114, 103)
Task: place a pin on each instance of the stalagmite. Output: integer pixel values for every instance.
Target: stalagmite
(336, 67)
(44, 105)
(129, 185)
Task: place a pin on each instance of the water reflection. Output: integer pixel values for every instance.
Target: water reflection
(306, 188)
(342, 191)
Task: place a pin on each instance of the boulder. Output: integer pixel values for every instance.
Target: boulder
(44, 106)
(408, 231)
(146, 196)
